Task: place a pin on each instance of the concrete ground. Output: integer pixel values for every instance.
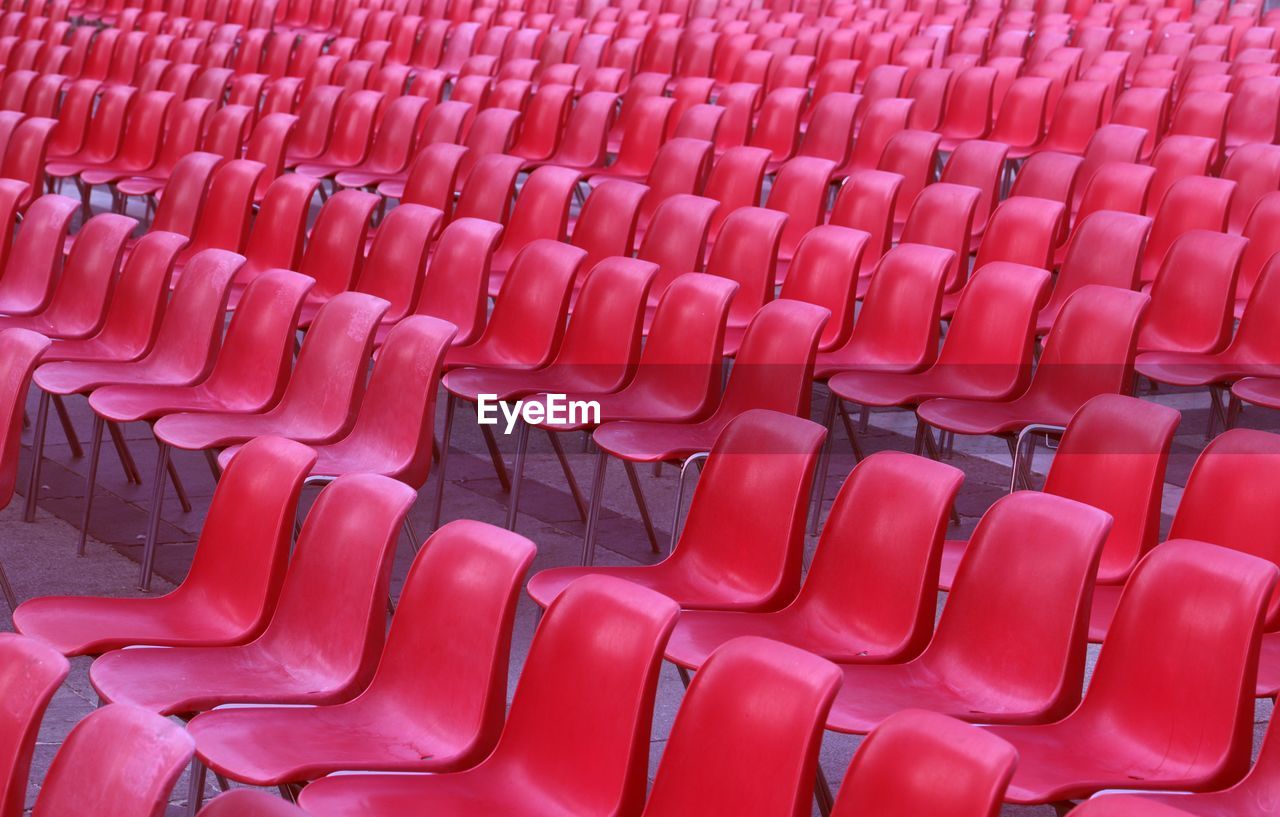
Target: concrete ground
(40, 556)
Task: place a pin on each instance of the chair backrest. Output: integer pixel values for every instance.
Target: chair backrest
(36, 258)
(542, 209)
(1193, 296)
(1113, 456)
(456, 284)
(735, 181)
(677, 238)
(979, 164)
(243, 549)
(397, 414)
(433, 176)
(24, 157)
(279, 229)
(141, 293)
(191, 329)
(942, 215)
(1255, 168)
(14, 196)
(30, 673)
(824, 271)
(397, 261)
(341, 564)
(129, 756)
(328, 379)
(758, 555)
(184, 193)
(225, 225)
(774, 367)
(875, 570)
(1027, 637)
(1090, 349)
(1196, 202)
(727, 754)
(867, 201)
(79, 302)
(1186, 692)
(992, 335)
(747, 252)
(971, 769)
(528, 318)
(488, 191)
(590, 743)
(1125, 236)
(602, 342)
(1022, 230)
(448, 650)
(606, 224)
(900, 313)
(334, 255)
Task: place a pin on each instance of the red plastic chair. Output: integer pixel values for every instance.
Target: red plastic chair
(869, 596)
(22, 350)
(101, 141)
(1022, 230)
(1176, 158)
(1076, 117)
(544, 122)
(1255, 168)
(391, 146)
(723, 562)
(968, 108)
(140, 141)
(749, 256)
(234, 582)
(978, 164)
(94, 755)
(586, 132)
(343, 555)
(700, 768)
(645, 131)
(1193, 296)
(1125, 236)
(588, 745)
(490, 189)
(681, 168)
(432, 178)
(676, 239)
(1021, 119)
(912, 154)
(36, 255)
(831, 126)
(825, 272)
(799, 191)
(334, 256)
(229, 199)
(181, 204)
(606, 224)
(735, 181)
(34, 674)
(778, 125)
(1181, 722)
(1089, 351)
(1037, 625)
(1203, 113)
(1192, 203)
(79, 302)
(24, 157)
(884, 775)
(315, 124)
(541, 212)
(279, 229)
(354, 118)
(250, 803)
(453, 705)
(943, 216)
(183, 131)
(867, 201)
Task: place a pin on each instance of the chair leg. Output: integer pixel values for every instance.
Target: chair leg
(1216, 412)
(37, 454)
(1233, 411)
(449, 406)
(822, 793)
(69, 430)
(409, 532)
(126, 456)
(824, 463)
(212, 460)
(634, 479)
(153, 523)
(177, 487)
(495, 455)
(195, 792)
(90, 481)
(849, 431)
(10, 597)
(593, 510)
(517, 474)
(574, 490)
(675, 518)
(684, 676)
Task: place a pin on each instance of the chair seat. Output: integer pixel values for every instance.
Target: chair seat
(690, 591)
(658, 442)
(509, 384)
(88, 350)
(830, 364)
(1051, 767)
(869, 694)
(141, 185)
(91, 626)
(464, 794)
(193, 679)
(365, 175)
(270, 746)
(888, 389)
(106, 174)
(393, 188)
(320, 168)
(1260, 391)
(80, 377)
(196, 432)
(699, 633)
(130, 403)
(977, 417)
(1111, 577)
(1183, 369)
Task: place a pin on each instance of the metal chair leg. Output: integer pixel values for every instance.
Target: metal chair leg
(90, 481)
(153, 523)
(824, 463)
(69, 430)
(37, 454)
(1233, 411)
(495, 455)
(413, 537)
(178, 488)
(685, 678)
(449, 406)
(195, 793)
(126, 456)
(634, 479)
(675, 519)
(822, 793)
(212, 460)
(574, 490)
(517, 474)
(593, 510)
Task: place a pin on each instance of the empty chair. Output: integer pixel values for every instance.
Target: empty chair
(942, 216)
(1255, 168)
(1184, 719)
(762, 556)
(800, 191)
(445, 682)
(969, 106)
(301, 656)
(1192, 203)
(355, 117)
(1089, 351)
(867, 201)
(978, 164)
(34, 674)
(735, 181)
(22, 350)
(1193, 296)
(606, 224)
(1037, 625)
(541, 212)
(391, 146)
(609, 721)
(972, 769)
(869, 596)
(1125, 236)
